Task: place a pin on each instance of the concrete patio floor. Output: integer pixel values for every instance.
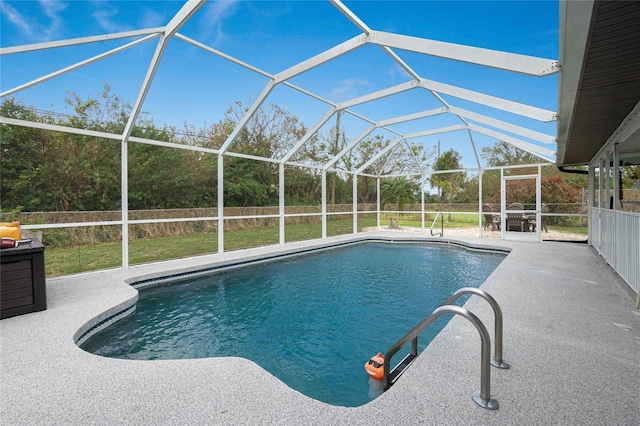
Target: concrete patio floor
(571, 335)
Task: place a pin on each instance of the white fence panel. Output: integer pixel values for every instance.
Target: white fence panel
(594, 227)
(628, 248)
(616, 236)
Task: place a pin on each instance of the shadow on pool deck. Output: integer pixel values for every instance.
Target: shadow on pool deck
(571, 335)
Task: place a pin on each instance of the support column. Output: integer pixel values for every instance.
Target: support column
(378, 200)
(601, 172)
(602, 201)
(422, 202)
(616, 206)
(591, 194)
(591, 186)
(324, 203)
(539, 204)
(124, 200)
(281, 202)
(616, 180)
(608, 181)
(480, 203)
(503, 202)
(220, 204)
(355, 204)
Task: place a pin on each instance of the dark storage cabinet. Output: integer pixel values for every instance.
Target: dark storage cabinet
(22, 284)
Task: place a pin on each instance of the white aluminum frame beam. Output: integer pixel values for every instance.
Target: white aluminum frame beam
(411, 117)
(287, 74)
(250, 67)
(187, 11)
(183, 15)
(321, 58)
(386, 41)
(223, 55)
(379, 94)
(77, 65)
(379, 155)
(351, 16)
(327, 115)
(491, 101)
(503, 125)
(366, 30)
(381, 124)
(349, 103)
(514, 62)
(118, 137)
(400, 62)
(392, 149)
(473, 145)
(75, 41)
(268, 88)
(437, 131)
(349, 147)
(415, 157)
(543, 153)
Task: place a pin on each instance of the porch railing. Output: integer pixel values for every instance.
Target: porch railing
(616, 236)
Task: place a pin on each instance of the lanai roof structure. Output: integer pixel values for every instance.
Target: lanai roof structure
(572, 334)
(581, 108)
(423, 101)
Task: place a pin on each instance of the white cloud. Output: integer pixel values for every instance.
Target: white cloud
(15, 18)
(397, 73)
(50, 28)
(215, 14)
(348, 87)
(152, 18)
(104, 17)
(52, 9)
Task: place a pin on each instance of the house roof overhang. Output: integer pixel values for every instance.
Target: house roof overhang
(599, 88)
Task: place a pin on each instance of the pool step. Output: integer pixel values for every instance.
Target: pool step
(400, 368)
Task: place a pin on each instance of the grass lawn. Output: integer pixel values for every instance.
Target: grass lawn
(450, 221)
(73, 260)
(583, 230)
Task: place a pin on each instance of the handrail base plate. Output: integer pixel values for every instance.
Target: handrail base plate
(502, 364)
(491, 404)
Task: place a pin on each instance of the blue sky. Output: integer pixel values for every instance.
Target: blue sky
(195, 87)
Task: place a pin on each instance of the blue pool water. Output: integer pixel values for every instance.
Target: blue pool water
(311, 320)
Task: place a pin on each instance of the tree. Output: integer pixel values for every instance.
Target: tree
(403, 159)
(398, 190)
(630, 175)
(23, 183)
(271, 132)
(450, 182)
(505, 154)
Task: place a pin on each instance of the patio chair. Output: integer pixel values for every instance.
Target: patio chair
(515, 221)
(488, 218)
(543, 219)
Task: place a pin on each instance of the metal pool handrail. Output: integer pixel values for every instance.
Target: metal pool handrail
(497, 360)
(441, 233)
(483, 397)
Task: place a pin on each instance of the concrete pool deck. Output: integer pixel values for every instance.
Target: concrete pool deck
(571, 335)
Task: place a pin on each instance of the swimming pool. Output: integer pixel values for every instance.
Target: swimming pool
(311, 320)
